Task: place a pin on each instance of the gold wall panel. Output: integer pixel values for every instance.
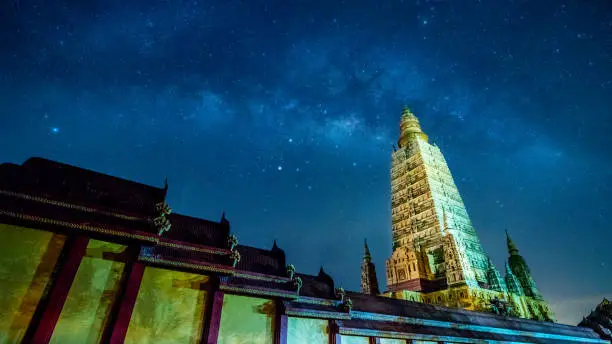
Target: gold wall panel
(246, 320)
(354, 340)
(169, 308)
(91, 295)
(27, 259)
(306, 330)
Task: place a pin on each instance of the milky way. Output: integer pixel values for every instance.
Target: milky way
(283, 114)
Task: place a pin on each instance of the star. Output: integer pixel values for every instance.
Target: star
(280, 168)
(55, 130)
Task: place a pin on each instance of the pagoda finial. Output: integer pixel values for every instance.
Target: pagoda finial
(512, 250)
(409, 128)
(274, 246)
(165, 187)
(366, 255)
(406, 110)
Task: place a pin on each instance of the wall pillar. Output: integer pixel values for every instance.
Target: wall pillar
(374, 340)
(122, 312)
(48, 311)
(214, 317)
(280, 324)
(334, 335)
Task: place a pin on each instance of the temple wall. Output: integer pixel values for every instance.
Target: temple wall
(307, 330)
(354, 340)
(27, 259)
(91, 295)
(169, 308)
(246, 320)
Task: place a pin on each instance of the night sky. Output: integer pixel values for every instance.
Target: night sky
(283, 114)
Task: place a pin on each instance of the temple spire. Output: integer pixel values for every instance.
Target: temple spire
(520, 269)
(366, 255)
(494, 278)
(512, 282)
(369, 282)
(512, 250)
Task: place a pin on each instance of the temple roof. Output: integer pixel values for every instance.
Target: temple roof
(409, 309)
(600, 320)
(197, 231)
(62, 182)
(317, 286)
(262, 261)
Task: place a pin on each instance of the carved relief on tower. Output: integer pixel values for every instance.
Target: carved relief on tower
(405, 264)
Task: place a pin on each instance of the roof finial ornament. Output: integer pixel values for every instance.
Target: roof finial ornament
(367, 250)
(224, 219)
(165, 187)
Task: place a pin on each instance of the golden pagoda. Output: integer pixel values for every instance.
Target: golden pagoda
(437, 257)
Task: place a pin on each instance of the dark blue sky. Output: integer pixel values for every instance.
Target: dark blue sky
(283, 113)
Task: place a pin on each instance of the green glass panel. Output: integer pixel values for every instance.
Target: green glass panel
(306, 330)
(91, 295)
(246, 320)
(392, 341)
(27, 259)
(355, 340)
(169, 308)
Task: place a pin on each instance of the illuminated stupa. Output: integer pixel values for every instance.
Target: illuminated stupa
(437, 257)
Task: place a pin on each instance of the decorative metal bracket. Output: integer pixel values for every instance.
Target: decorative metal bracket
(232, 242)
(161, 222)
(297, 280)
(340, 293)
(346, 304)
(235, 256)
(290, 271)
